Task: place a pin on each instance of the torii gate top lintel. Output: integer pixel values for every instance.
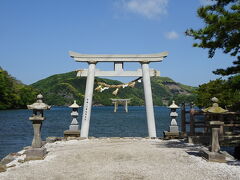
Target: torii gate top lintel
(118, 57)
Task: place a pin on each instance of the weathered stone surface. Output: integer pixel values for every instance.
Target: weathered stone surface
(213, 156)
(21, 161)
(37, 140)
(91, 137)
(71, 138)
(215, 107)
(35, 153)
(74, 127)
(39, 105)
(171, 135)
(9, 158)
(81, 138)
(174, 129)
(53, 139)
(70, 133)
(12, 165)
(2, 167)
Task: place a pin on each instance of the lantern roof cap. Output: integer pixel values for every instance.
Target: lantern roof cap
(215, 107)
(74, 105)
(173, 105)
(39, 105)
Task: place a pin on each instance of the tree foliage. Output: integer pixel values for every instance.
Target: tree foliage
(221, 31)
(222, 89)
(14, 94)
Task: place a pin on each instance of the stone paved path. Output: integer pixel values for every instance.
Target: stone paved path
(122, 159)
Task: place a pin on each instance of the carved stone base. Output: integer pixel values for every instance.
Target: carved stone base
(213, 156)
(171, 135)
(173, 129)
(35, 153)
(70, 133)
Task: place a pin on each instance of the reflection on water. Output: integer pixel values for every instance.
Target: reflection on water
(16, 130)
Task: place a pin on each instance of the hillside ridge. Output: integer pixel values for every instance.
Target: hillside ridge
(62, 89)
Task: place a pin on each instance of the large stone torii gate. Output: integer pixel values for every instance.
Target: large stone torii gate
(118, 60)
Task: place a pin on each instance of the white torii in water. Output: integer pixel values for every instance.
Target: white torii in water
(118, 60)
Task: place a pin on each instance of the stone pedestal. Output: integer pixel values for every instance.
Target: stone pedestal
(171, 135)
(71, 133)
(35, 153)
(173, 129)
(74, 124)
(213, 156)
(37, 125)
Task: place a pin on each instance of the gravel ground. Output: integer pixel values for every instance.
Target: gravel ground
(122, 159)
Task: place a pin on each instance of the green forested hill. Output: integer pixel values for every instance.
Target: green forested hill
(14, 94)
(62, 89)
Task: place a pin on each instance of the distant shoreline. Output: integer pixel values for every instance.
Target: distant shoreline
(55, 106)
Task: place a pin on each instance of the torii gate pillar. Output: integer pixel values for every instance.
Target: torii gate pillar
(148, 100)
(87, 108)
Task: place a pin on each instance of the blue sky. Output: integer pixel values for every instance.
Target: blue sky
(35, 36)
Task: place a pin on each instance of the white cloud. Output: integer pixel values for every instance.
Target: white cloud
(148, 8)
(206, 2)
(171, 35)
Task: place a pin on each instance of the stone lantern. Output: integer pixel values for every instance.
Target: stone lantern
(74, 127)
(214, 153)
(173, 129)
(37, 151)
(173, 114)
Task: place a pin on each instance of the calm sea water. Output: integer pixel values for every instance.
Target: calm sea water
(16, 130)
